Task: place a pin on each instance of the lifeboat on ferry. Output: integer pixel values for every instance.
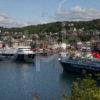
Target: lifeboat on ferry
(96, 50)
(96, 55)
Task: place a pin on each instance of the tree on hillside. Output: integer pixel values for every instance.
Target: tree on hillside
(85, 90)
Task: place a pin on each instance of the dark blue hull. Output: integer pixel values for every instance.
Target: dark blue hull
(1, 58)
(77, 67)
(7, 56)
(19, 57)
(24, 58)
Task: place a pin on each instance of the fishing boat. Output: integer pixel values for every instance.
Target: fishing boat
(90, 64)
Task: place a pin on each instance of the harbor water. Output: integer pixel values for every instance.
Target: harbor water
(44, 78)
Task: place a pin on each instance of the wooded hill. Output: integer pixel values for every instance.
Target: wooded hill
(55, 27)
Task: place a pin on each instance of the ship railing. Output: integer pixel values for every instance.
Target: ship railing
(81, 61)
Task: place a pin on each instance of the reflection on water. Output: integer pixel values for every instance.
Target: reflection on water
(66, 80)
(19, 81)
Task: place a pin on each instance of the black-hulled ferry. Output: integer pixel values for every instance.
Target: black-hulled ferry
(24, 54)
(78, 65)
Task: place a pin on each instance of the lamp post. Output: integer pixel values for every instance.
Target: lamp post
(63, 31)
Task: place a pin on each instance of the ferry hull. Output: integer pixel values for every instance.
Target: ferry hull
(1, 58)
(24, 58)
(19, 57)
(75, 68)
(7, 56)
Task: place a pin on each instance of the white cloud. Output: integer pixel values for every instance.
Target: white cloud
(7, 21)
(3, 16)
(77, 13)
(78, 9)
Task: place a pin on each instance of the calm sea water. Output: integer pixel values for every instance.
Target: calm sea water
(45, 78)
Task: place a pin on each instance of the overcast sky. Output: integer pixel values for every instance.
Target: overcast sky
(26, 12)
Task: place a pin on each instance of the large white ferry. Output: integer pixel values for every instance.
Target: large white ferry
(21, 54)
